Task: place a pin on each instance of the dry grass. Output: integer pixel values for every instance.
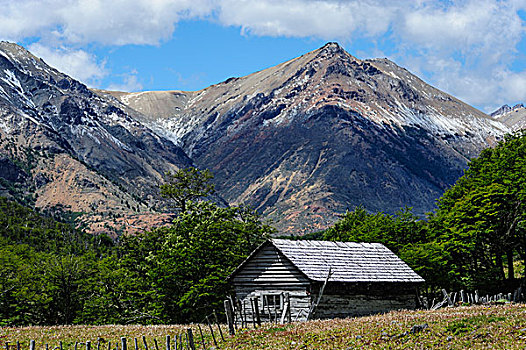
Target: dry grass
(477, 327)
(112, 334)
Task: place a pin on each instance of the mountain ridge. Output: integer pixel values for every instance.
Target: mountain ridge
(275, 137)
(70, 149)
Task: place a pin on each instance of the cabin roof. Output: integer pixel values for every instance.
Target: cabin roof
(348, 261)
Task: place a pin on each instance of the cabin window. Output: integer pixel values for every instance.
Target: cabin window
(272, 301)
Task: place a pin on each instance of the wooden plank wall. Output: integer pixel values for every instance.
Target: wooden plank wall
(269, 272)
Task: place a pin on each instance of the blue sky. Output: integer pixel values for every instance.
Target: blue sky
(472, 49)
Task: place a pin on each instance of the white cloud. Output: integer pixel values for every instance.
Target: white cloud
(130, 83)
(78, 64)
(466, 47)
(300, 18)
(116, 22)
(514, 86)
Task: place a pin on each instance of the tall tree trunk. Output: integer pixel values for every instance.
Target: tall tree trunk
(511, 270)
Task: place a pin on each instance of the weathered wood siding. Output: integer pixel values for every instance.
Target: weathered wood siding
(365, 279)
(358, 299)
(270, 272)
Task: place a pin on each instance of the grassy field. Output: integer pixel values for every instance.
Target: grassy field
(477, 327)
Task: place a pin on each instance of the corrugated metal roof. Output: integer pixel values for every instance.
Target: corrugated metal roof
(349, 261)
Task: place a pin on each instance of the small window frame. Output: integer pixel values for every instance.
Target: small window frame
(273, 301)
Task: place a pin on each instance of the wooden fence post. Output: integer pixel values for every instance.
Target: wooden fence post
(32, 345)
(202, 336)
(239, 307)
(218, 326)
(284, 313)
(233, 311)
(211, 331)
(253, 316)
(191, 339)
(286, 308)
(290, 310)
(145, 343)
(124, 346)
(256, 306)
(446, 296)
(229, 317)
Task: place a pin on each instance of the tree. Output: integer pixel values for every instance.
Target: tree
(185, 266)
(394, 231)
(181, 271)
(485, 211)
(187, 185)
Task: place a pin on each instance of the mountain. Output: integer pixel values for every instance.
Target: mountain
(66, 149)
(320, 134)
(514, 117)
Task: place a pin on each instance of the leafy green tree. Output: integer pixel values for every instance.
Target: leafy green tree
(484, 213)
(185, 266)
(186, 185)
(394, 231)
(114, 295)
(46, 267)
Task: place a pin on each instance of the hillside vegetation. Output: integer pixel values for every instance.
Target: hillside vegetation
(476, 239)
(53, 274)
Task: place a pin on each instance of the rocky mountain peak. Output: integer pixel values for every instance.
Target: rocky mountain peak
(25, 61)
(501, 111)
(13, 49)
(322, 133)
(514, 117)
(331, 48)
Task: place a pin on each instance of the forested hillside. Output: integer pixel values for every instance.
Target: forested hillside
(51, 273)
(475, 239)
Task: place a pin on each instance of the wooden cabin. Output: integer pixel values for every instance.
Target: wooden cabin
(353, 278)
